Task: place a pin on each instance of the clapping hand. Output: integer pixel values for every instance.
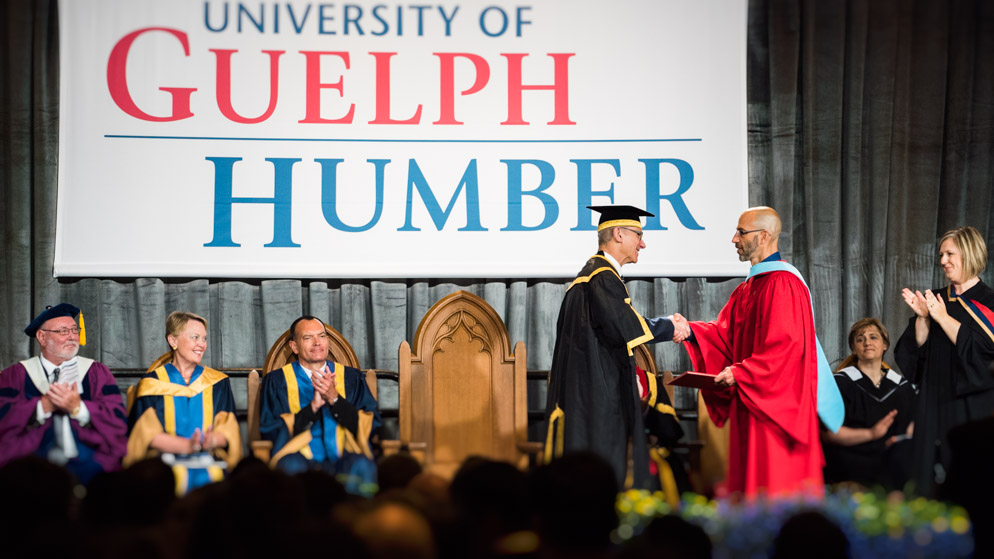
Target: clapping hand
(214, 439)
(317, 401)
(916, 301)
(907, 435)
(681, 328)
(196, 442)
(935, 305)
(881, 427)
(324, 384)
(64, 398)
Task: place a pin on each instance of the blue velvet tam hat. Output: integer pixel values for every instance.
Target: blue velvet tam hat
(623, 216)
(62, 309)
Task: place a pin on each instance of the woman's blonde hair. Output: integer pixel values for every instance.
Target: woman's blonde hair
(969, 241)
(177, 320)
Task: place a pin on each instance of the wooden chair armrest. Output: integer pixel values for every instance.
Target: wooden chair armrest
(390, 446)
(393, 446)
(530, 447)
(262, 450)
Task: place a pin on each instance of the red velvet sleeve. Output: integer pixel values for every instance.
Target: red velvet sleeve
(710, 352)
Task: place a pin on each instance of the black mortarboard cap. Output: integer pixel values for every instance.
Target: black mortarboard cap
(615, 216)
(62, 309)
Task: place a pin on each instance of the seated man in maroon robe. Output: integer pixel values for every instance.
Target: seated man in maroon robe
(62, 407)
(763, 349)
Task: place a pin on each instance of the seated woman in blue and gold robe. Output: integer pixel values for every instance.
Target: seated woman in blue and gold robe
(185, 411)
(319, 414)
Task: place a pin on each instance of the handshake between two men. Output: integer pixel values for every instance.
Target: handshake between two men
(682, 333)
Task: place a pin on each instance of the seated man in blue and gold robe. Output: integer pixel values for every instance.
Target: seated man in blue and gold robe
(319, 414)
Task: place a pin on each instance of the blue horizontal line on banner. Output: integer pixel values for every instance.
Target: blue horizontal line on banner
(408, 141)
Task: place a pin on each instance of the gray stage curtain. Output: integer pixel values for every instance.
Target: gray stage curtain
(870, 130)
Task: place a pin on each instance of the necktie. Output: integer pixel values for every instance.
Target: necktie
(57, 454)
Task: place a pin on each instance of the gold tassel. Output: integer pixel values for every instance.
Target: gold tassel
(666, 478)
(554, 438)
(82, 329)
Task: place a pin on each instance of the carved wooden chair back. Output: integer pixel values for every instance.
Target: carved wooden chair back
(462, 388)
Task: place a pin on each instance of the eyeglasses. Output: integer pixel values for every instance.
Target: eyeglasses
(63, 331)
(742, 233)
(639, 233)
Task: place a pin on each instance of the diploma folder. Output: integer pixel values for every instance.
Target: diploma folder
(695, 380)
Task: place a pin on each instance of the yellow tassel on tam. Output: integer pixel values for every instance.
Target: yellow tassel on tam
(82, 329)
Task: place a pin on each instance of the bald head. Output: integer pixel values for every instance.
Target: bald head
(766, 218)
(757, 234)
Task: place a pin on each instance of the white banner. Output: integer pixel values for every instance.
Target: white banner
(377, 140)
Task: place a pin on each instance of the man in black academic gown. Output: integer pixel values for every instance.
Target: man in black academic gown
(593, 401)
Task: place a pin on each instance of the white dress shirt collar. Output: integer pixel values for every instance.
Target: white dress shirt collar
(613, 262)
(49, 366)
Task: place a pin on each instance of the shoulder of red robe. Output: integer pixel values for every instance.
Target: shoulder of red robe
(831, 408)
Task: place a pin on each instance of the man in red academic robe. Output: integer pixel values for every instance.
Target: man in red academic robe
(763, 349)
